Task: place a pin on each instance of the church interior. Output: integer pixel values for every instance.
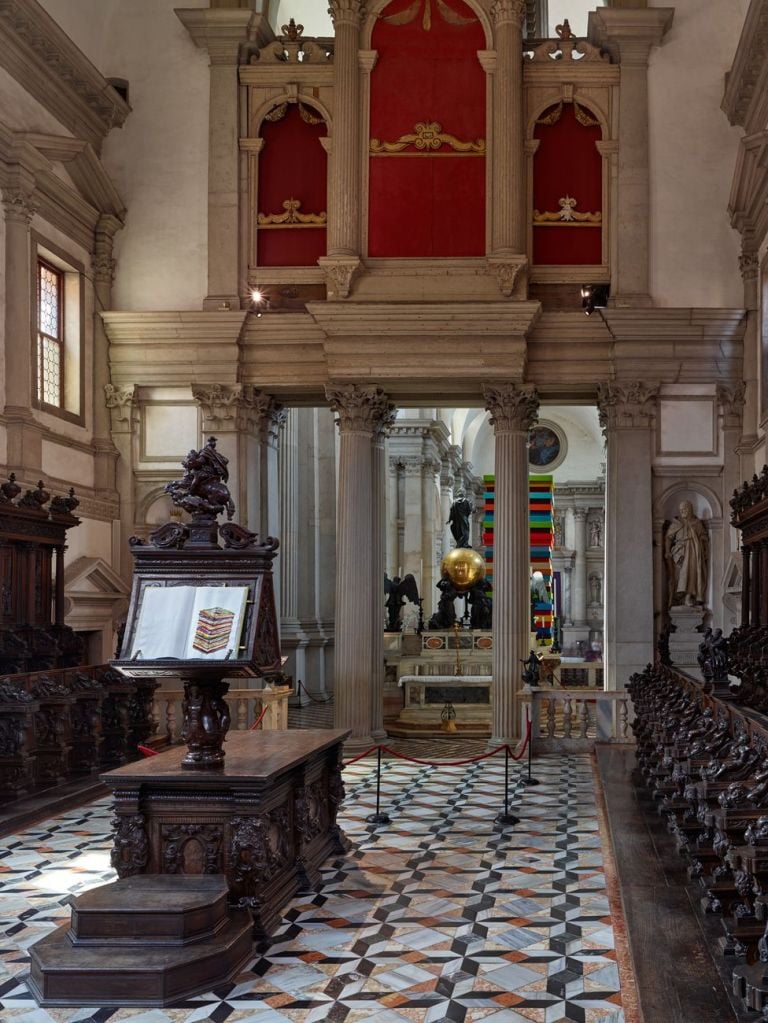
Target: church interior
(384, 511)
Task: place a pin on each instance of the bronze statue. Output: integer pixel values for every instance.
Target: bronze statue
(399, 592)
(445, 615)
(458, 519)
(202, 490)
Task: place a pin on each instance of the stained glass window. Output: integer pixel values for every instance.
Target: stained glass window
(50, 308)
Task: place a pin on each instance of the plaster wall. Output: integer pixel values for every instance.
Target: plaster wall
(159, 159)
(693, 249)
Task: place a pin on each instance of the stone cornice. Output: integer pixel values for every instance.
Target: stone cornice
(747, 205)
(629, 33)
(44, 61)
(745, 100)
(419, 320)
(221, 31)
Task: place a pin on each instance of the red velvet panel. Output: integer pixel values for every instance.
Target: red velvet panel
(292, 164)
(567, 163)
(419, 205)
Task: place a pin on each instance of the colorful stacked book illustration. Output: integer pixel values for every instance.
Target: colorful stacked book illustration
(213, 629)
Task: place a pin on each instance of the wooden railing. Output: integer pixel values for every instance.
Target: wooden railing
(573, 720)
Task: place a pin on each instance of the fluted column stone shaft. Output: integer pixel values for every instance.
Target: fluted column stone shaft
(344, 170)
(627, 413)
(580, 566)
(359, 410)
(507, 159)
(512, 411)
(378, 558)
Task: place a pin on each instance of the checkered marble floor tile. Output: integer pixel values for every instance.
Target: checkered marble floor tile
(443, 915)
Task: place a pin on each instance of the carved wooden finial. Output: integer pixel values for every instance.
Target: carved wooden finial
(292, 31)
(564, 30)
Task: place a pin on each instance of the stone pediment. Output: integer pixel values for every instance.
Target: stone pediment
(95, 594)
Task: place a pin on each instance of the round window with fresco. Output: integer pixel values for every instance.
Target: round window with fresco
(546, 447)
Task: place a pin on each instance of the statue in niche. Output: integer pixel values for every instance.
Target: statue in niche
(595, 589)
(558, 530)
(445, 615)
(686, 553)
(458, 519)
(595, 533)
(399, 592)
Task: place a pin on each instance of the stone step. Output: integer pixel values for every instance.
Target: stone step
(63, 974)
(153, 909)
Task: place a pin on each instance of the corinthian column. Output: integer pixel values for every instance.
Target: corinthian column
(580, 566)
(344, 169)
(627, 413)
(362, 411)
(513, 410)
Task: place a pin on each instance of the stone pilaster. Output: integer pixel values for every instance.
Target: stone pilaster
(753, 414)
(580, 566)
(384, 418)
(221, 32)
(360, 410)
(512, 410)
(731, 402)
(103, 266)
(627, 415)
(447, 482)
(343, 258)
(629, 34)
(24, 435)
(123, 409)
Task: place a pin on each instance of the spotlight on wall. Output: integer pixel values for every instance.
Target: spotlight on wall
(594, 296)
(259, 301)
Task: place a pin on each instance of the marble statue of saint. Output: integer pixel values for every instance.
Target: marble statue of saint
(686, 551)
(595, 533)
(458, 519)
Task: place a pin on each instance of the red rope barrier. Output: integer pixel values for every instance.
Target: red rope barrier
(147, 751)
(524, 747)
(360, 756)
(443, 763)
(259, 719)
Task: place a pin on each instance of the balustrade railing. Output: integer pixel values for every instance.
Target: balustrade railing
(245, 706)
(573, 720)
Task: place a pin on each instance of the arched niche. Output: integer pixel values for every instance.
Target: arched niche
(568, 217)
(427, 142)
(290, 209)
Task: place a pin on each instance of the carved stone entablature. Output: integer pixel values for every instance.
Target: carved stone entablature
(340, 271)
(512, 407)
(506, 270)
(359, 407)
(746, 84)
(731, 402)
(123, 406)
(48, 65)
(346, 12)
(626, 405)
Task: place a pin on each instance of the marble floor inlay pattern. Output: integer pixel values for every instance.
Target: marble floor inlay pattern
(441, 916)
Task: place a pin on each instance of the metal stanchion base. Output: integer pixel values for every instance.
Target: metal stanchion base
(531, 781)
(507, 818)
(379, 818)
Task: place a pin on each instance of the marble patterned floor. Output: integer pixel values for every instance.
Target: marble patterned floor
(443, 915)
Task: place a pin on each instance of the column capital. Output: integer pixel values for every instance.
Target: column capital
(512, 408)
(580, 514)
(629, 33)
(731, 402)
(263, 412)
(506, 12)
(360, 408)
(749, 265)
(220, 404)
(102, 262)
(122, 403)
(19, 203)
(627, 405)
(346, 12)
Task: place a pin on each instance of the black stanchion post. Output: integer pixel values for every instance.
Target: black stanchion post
(506, 817)
(378, 817)
(529, 780)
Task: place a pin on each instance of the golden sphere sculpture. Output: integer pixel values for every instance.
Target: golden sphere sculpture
(464, 567)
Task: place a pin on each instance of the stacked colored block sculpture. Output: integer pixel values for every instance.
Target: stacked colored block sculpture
(540, 524)
(489, 494)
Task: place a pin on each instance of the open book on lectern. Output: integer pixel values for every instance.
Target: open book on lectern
(189, 623)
